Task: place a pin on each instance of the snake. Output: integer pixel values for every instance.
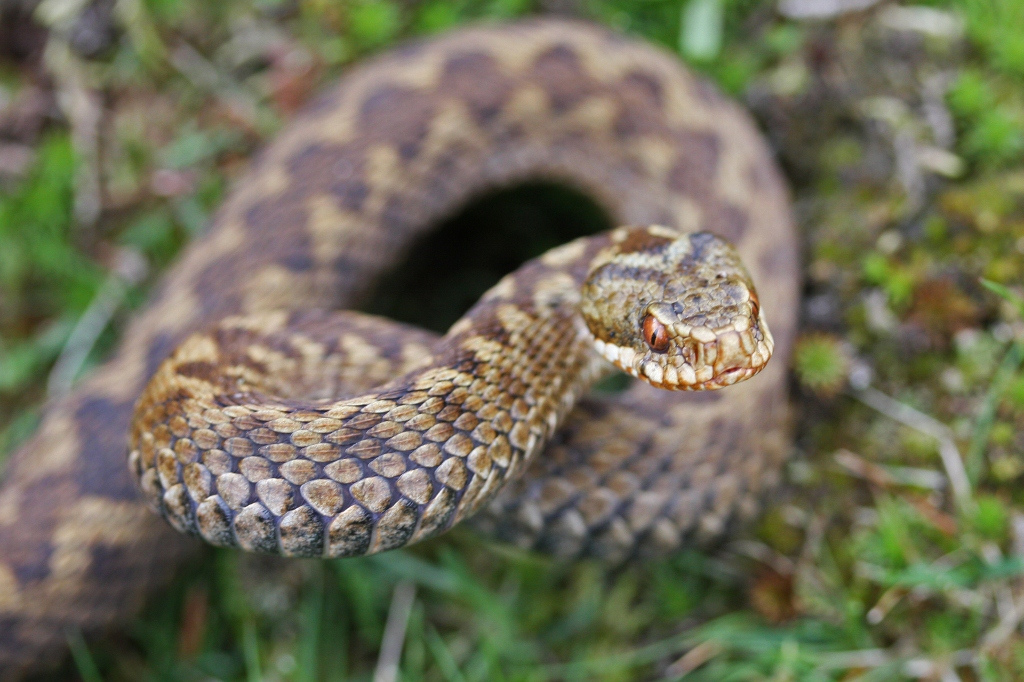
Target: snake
(266, 423)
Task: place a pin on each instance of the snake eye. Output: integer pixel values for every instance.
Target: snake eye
(655, 334)
(755, 303)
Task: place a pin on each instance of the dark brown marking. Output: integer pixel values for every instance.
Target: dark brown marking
(198, 370)
(28, 545)
(559, 72)
(273, 223)
(706, 92)
(35, 568)
(397, 115)
(509, 135)
(643, 240)
(616, 272)
(696, 167)
(334, 169)
(103, 434)
(726, 220)
(477, 79)
(453, 171)
(325, 102)
(640, 109)
(699, 243)
(394, 217)
(108, 561)
(160, 347)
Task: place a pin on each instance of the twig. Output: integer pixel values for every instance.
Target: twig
(861, 658)
(205, 76)
(761, 552)
(129, 272)
(919, 421)
(1017, 532)
(693, 659)
(1011, 618)
(936, 113)
(889, 599)
(945, 671)
(886, 476)
(394, 632)
(987, 415)
(81, 103)
(925, 20)
(822, 9)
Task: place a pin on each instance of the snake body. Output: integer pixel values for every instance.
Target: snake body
(335, 202)
(224, 447)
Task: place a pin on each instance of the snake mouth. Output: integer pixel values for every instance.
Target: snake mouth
(704, 360)
(733, 375)
(682, 376)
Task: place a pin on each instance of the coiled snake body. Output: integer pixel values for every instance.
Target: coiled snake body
(335, 202)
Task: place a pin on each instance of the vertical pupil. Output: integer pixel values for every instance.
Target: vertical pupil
(654, 334)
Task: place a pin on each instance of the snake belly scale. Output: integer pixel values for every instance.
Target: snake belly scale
(332, 205)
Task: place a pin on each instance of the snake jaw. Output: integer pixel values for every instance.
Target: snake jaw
(702, 363)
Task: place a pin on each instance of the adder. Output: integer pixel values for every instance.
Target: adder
(330, 207)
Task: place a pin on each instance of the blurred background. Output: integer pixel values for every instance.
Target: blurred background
(895, 551)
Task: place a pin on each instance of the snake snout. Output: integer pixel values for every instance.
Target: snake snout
(725, 355)
(739, 354)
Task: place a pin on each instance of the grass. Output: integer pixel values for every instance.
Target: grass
(902, 131)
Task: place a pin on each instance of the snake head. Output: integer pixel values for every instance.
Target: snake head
(676, 310)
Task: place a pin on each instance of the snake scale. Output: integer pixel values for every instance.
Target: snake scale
(328, 209)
